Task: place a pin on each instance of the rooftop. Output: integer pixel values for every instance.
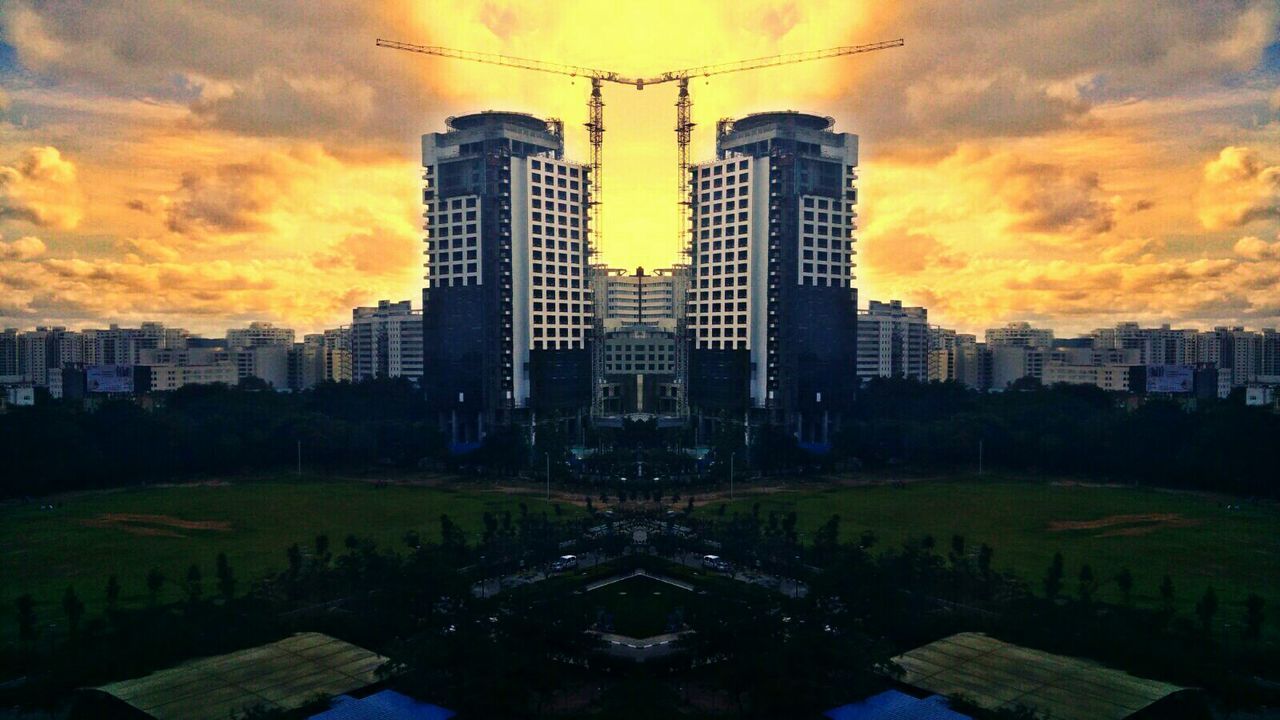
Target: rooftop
(283, 675)
(997, 675)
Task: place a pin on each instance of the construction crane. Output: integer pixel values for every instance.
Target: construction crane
(595, 131)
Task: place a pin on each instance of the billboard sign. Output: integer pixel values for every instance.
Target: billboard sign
(1170, 378)
(109, 378)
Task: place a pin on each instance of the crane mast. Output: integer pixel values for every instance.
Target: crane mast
(684, 135)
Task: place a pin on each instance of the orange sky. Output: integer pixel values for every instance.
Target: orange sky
(1069, 163)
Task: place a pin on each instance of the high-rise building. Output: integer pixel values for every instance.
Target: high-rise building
(386, 341)
(772, 306)
(9, 365)
(507, 307)
(893, 341)
(1019, 334)
(121, 346)
(259, 334)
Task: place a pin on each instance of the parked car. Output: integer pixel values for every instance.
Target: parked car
(564, 562)
(716, 563)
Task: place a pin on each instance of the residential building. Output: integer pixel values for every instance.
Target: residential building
(653, 299)
(386, 341)
(893, 341)
(259, 334)
(9, 364)
(121, 346)
(165, 378)
(1114, 378)
(507, 307)
(773, 308)
(1019, 334)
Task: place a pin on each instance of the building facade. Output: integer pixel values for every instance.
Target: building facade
(507, 307)
(386, 341)
(893, 341)
(772, 306)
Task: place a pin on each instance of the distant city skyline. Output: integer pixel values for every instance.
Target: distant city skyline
(1017, 164)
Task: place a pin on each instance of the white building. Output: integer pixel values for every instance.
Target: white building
(1019, 334)
(259, 334)
(893, 341)
(269, 363)
(171, 377)
(1114, 378)
(386, 341)
(121, 346)
(643, 298)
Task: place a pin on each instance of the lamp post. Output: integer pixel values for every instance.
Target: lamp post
(731, 456)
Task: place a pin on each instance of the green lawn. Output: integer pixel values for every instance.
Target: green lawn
(639, 606)
(44, 551)
(1195, 539)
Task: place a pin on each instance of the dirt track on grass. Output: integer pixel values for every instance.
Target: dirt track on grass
(153, 525)
(1125, 525)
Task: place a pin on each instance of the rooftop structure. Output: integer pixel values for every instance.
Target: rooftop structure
(996, 675)
(283, 675)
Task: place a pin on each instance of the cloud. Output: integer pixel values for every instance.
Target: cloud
(902, 251)
(375, 253)
(1253, 248)
(40, 188)
(1238, 188)
(275, 103)
(24, 248)
(232, 197)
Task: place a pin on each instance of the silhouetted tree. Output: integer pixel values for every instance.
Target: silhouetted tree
(1124, 580)
(1166, 595)
(294, 555)
(1087, 584)
(1206, 608)
(73, 606)
(195, 586)
(27, 619)
(226, 579)
(155, 583)
(113, 592)
(1053, 578)
(1253, 618)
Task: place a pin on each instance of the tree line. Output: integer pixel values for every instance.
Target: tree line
(1217, 445)
(214, 429)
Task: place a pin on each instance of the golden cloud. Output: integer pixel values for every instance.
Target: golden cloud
(24, 248)
(1238, 189)
(40, 188)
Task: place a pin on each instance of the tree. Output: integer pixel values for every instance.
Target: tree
(1087, 584)
(957, 551)
(1253, 618)
(1053, 578)
(1207, 607)
(985, 554)
(322, 550)
(155, 582)
(113, 592)
(73, 606)
(1166, 595)
(226, 579)
(27, 619)
(1124, 579)
(195, 587)
(294, 555)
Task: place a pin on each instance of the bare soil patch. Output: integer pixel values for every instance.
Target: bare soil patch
(1125, 525)
(153, 525)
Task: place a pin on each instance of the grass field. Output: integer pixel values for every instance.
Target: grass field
(1194, 538)
(639, 606)
(88, 537)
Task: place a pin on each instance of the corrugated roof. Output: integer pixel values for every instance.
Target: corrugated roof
(282, 675)
(893, 705)
(385, 705)
(998, 675)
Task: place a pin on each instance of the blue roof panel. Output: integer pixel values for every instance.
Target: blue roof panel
(894, 705)
(385, 705)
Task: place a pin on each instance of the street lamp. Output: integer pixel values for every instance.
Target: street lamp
(731, 456)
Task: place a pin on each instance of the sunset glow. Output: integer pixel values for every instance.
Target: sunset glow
(1072, 163)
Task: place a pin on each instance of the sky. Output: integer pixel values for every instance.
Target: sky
(1072, 164)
